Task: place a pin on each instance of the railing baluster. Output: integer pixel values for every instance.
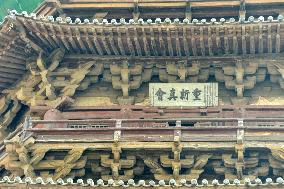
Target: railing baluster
(240, 122)
(117, 133)
(178, 123)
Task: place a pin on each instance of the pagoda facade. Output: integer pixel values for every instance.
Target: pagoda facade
(75, 93)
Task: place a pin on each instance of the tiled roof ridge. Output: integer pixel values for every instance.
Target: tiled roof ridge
(141, 21)
(141, 183)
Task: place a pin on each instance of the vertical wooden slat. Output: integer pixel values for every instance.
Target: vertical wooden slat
(54, 36)
(226, 40)
(169, 39)
(235, 41)
(244, 44)
(62, 37)
(251, 40)
(39, 34)
(120, 43)
(129, 42)
(193, 43)
(185, 43)
(46, 34)
(218, 40)
(136, 42)
(178, 48)
(210, 43)
(71, 40)
(278, 40)
(82, 47)
(145, 43)
(96, 42)
(162, 44)
(201, 38)
(153, 43)
(88, 41)
(111, 40)
(43, 32)
(269, 39)
(105, 44)
(260, 38)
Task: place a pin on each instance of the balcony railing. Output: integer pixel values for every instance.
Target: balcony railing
(158, 123)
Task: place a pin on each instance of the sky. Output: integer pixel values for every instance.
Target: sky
(19, 5)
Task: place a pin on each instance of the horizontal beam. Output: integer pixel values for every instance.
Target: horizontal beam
(266, 56)
(199, 119)
(162, 4)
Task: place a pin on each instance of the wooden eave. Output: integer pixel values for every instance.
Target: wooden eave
(144, 38)
(12, 55)
(155, 38)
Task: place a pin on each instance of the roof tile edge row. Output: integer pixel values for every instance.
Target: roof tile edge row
(122, 21)
(141, 183)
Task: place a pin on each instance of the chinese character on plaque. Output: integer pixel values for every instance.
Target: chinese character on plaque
(183, 94)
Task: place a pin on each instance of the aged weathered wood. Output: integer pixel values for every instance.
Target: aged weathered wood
(84, 76)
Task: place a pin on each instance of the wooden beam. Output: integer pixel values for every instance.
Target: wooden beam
(161, 42)
(37, 33)
(105, 44)
(269, 39)
(244, 42)
(193, 42)
(278, 39)
(235, 41)
(178, 47)
(79, 40)
(136, 42)
(120, 43)
(12, 65)
(71, 39)
(42, 27)
(153, 42)
(252, 41)
(260, 38)
(162, 4)
(12, 60)
(9, 75)
(210, 42)
(54, 36)
(88, 41)
(169, 40)
(12, 71)
(129, 42)
(7, 80)
(145, 43)
(112, 44)
(218, 40)
(201, 39)
(226, 40)
(230, 57)
(96, 42)
(62, 37)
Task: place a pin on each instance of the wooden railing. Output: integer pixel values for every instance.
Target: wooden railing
(178, 122)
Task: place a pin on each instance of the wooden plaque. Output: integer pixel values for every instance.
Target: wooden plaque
(183, 94)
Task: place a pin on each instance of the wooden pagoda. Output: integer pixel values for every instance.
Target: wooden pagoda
(74, 94)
